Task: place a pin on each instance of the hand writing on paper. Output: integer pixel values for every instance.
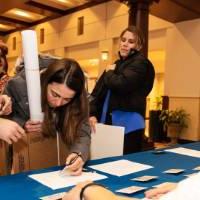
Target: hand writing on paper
(74, 164)
(93, 121)
(33, 126)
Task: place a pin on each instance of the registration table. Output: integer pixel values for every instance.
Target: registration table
(22, 187)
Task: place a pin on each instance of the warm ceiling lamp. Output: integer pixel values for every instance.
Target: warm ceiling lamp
(60, 4)
(63, 1)
(23, 15)
(4, 27)
(71, 2)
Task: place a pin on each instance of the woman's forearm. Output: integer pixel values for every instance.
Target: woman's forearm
(99, 193)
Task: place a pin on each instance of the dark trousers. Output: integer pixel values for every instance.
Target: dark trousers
(133, 141)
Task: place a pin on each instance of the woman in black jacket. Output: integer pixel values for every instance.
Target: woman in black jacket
(123, 88)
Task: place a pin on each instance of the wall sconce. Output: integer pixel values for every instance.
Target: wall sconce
(104, 55)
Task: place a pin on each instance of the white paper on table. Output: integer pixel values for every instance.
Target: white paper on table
(108, 141)
(56, 181)
(185, 151)
(121, 167)
(174, 171)
(144, 178)
(131, 189)
(197, 168)
(56, 196)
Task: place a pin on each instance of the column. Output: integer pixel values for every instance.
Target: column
(139, 17)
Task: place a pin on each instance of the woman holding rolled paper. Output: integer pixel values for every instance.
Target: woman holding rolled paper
(65, 108)
(119, 97)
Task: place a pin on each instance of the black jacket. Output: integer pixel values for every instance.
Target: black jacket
(130, 83)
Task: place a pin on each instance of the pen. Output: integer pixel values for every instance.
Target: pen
(74, 159)
(64, 171)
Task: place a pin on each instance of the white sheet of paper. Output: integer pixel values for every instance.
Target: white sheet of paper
(108, 141)
(188, 175)
(131, 189)
(54, 196)
(185, 151)
(55, 180)
(120, 167)
(197, 168)
(144, 178)
(174, 171)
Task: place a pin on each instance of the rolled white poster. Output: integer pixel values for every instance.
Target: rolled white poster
(30, 51)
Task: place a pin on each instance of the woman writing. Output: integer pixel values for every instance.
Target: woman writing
(65, 108)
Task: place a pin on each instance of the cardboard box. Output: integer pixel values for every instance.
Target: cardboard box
(37, 152)
(4, 169)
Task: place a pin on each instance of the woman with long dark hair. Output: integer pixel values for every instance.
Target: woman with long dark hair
(65, 107)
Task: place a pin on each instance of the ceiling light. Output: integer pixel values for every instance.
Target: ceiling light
(23, 15)
(63, 1)
(4, 27)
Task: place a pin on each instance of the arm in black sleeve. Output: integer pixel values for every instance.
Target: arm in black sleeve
(97, 97)
(130, 79)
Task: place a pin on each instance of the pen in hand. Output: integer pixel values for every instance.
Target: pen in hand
(73, 160)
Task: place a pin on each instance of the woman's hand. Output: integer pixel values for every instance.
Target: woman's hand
(157, 192)
(5, 105)
(74, 193)
(110, 67)
(93, 121)
(76, 166)
(33, 126)
(10, 131)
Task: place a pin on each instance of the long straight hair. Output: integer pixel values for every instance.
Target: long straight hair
(66, 119)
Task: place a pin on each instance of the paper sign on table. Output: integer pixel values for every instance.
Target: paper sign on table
(174, 171)
(56, 181)
(131, 189)
(120, 167)
(197, 168)
(185, 151)
(54, 196)
(144, 178)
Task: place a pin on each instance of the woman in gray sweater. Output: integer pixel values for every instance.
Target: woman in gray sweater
(65, 107)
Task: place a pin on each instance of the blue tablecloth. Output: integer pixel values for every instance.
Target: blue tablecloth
(21, 187)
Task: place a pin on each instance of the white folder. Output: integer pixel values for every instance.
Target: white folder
(108, 141)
